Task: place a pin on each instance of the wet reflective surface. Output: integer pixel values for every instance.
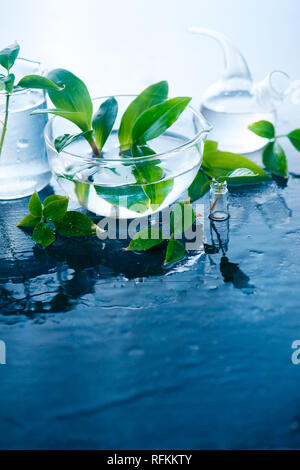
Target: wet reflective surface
(109, 349)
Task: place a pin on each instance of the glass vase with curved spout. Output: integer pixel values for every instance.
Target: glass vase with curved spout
(23, 158)
(236, 101)
(116, 185)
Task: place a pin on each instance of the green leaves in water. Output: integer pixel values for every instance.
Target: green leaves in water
(8, 55)
(130, 196)
(54, 210)
(157, 119)
(61, 142)
(149, 172)
(151, 96)
(103, 121)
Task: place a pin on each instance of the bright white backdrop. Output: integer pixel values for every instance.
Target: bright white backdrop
(123, 45)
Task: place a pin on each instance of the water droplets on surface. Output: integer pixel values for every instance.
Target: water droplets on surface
(22, 143)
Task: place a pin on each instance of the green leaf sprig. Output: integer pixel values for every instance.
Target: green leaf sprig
(8, 56)
(148, 116)
(53, 216)
(274, 157)
(181, 219)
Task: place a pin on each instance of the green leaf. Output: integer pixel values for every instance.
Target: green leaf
(157, 192)
(39, 82)
(263, 129)
(157, 119)
(218, 164)
(275, 160)
(2, 81)
(131, 197)
(150, 172)
(9, 83)
(198, 187)
(9, 55)
(56, 209)
(240, 172)
(75, 224)
(29, 221)
(151, 96)
(82, 191)
(43, 234)
(63, 141)
(294, 138)
(103, 121)
(146, 239)
(146, 171)
(53, 197)
(210, 146)
(74, 97)
(182, 218)
(175, 251)
(35, 205)
(76, 117)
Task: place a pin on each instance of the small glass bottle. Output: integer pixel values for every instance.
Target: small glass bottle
(218, 198)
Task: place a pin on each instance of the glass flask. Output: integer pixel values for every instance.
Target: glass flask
(236, 101)
(23, 160)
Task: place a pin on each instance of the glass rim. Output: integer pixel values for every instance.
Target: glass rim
(207, 127)
(20, 90)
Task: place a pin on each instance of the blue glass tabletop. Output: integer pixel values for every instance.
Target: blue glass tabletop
(109, 349)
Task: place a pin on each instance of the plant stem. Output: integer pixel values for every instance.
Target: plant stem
(5, 122)
(94, 146)
(217, 198)
(278, 136)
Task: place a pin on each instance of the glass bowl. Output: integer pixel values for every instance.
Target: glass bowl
(111, 185)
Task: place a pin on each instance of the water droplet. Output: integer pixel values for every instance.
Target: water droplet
(22, 143)
(136, 352)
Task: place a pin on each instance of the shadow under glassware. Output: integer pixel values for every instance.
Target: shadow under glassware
(111, 186)
(23, 160)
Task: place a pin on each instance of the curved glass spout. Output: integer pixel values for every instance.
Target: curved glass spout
(235, 63)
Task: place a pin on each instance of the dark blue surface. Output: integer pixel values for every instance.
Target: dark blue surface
(120, 352)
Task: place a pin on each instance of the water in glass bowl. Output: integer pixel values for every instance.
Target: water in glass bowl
(125, 189)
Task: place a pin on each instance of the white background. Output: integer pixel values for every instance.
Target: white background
(123, 45)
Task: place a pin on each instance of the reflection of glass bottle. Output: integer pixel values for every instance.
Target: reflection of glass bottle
(218, 201)
(235, 102)
(219, 235)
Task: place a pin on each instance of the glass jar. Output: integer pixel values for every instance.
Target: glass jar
(23, 160)
(218, 198)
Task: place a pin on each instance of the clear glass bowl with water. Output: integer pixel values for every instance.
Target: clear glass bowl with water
(111, 185)
(23, 161)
